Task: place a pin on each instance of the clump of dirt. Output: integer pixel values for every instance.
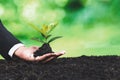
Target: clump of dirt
(45, 48)
(78, 68)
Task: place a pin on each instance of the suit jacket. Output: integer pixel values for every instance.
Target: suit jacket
(7, 41)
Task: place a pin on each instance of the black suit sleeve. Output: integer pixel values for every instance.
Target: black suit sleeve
(7, 41)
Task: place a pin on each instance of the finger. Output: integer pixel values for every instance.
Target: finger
(45, 56)
(56, 55)
(60, 53)
(49, 59)
(49, 56)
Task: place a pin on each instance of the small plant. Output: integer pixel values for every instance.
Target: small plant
(45, 38)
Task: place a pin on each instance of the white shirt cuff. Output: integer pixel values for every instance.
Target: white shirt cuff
(14, 48)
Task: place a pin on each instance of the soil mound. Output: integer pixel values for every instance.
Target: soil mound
(79, 68)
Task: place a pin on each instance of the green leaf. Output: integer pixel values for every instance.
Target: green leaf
(52, 26)
(43, 35)
(44, 30)
(37, 39)
(48, 36)
(35, 27)
(54, 38)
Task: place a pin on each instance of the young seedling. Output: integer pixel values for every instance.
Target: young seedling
(45, 38)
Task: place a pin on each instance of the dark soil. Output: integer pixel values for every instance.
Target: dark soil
(45, 48)
(79, 68)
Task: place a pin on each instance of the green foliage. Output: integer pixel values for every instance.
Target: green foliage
(45, 31)
(54, 38)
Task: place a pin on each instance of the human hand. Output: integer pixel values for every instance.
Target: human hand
(27, 53)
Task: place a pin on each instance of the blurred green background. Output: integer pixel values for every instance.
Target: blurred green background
(88, 27)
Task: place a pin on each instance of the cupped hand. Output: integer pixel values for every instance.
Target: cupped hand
(27, 53)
